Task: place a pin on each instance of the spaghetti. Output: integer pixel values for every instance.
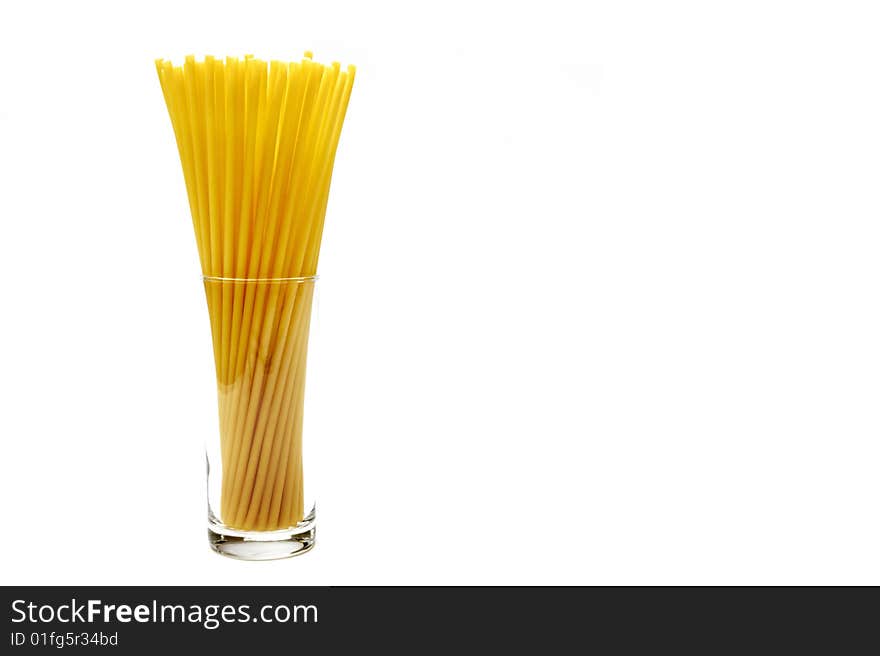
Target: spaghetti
(257, 143)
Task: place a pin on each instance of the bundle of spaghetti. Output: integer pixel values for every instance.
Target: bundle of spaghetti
(257, 143)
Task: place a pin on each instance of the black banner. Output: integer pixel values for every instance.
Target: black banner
(416, 619)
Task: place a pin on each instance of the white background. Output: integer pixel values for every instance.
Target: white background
(599, 295)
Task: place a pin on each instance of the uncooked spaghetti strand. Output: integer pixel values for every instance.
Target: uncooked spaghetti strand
(264, 155)
(215, 91)
(237, 374)
(194, 76)
(196, 109)
(225, 92)
(304, 166)
(171, 80)
(291, 509)
(246, 357)
(287, 138)
(255, 110)
(206, 80)
(234, 140)
(321, 147)
(289, 514)
(299, 405)
(269, 504)
(323, 192)
(251, 107)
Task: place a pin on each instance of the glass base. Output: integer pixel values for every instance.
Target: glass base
(262, 545)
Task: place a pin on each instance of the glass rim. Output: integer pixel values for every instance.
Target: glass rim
(299, 279)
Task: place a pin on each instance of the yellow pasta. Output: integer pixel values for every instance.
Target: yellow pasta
(257, 142)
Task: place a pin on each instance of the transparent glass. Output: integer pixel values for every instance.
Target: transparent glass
(259, 507)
